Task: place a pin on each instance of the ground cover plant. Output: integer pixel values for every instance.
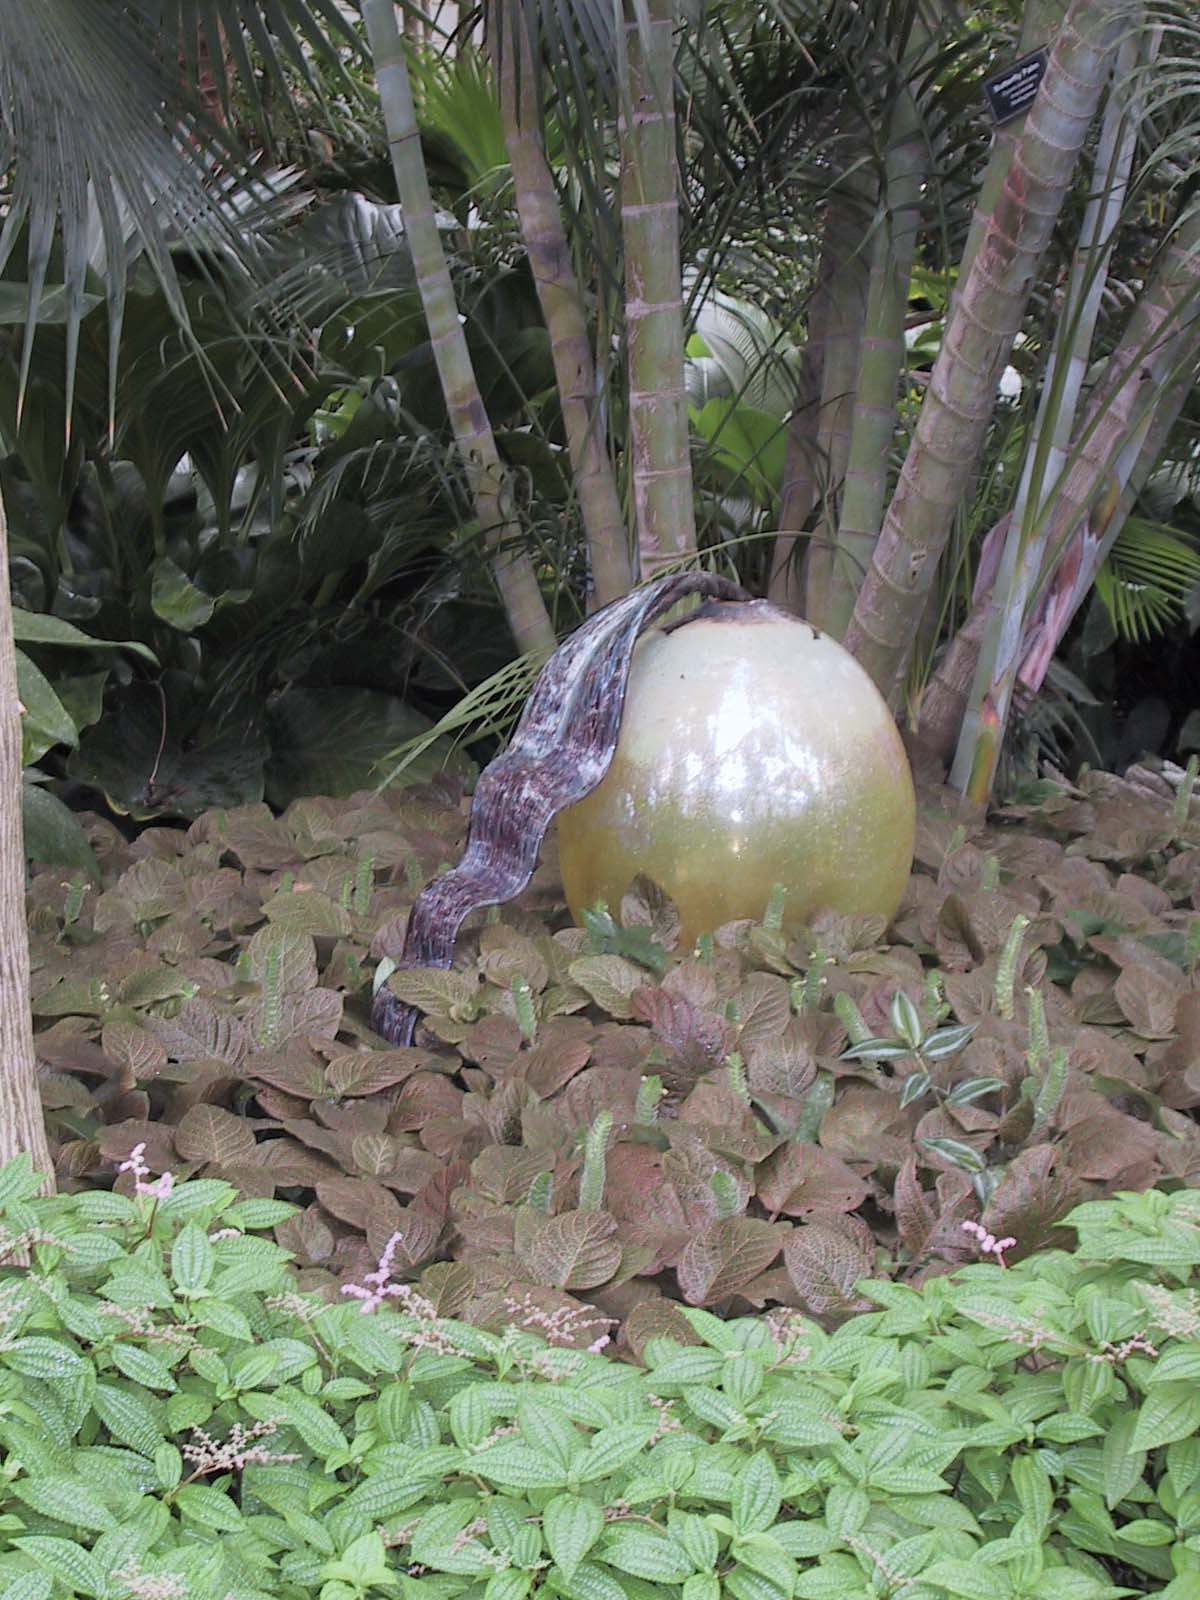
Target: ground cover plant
(593, 1117)
(180, 1423)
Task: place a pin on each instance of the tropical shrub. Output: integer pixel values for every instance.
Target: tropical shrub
(178, 1422)
(594, 1115)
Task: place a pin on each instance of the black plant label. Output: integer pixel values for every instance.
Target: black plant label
(1011, 92)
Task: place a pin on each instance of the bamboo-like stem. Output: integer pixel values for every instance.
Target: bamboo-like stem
(1121, 438)
(801, 480)
(1040, 21)
(983, 322)
(881, 348)
(561, 300)
(514, 573)
(1048, 447)
(660, 455)
(1146, 381)
(846, 223)
(22, 1128)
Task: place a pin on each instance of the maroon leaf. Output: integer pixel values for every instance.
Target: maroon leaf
(824, 1264)
(207, 1133)
(576, 1250)
(802, 1178)
(725, 1256)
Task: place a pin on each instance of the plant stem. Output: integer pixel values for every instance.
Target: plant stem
(881, 348)
(660, 451)
(559, 295)
(984, 320)
(1146, 381)
(1048, 447)
(800, 477)
(846, 225)
(513, 570)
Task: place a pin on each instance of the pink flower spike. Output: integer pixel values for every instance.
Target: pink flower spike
(136, 1162)
(159, 1190)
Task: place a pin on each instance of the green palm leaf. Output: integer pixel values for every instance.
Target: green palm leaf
(1148, 575)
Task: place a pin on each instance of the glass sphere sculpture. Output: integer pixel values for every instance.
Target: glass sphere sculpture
(753, 751)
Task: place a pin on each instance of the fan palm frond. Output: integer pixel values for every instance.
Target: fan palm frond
(109, 159)
(1148, 575)
(282, 34)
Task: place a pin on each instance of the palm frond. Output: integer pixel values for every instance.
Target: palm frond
(1148, 576)
(284, 35)
(105, 161)
(488, 710)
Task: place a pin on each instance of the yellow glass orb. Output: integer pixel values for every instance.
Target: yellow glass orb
(753, 750)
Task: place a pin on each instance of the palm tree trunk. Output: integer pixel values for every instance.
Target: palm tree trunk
(1048, 447)
(514, 573)
(1146, 382)
(985, 319)
(22, 1129)
(800, 475)
(545, 241)
(661, 466)
(845, 237)
(1041, 20)
(881, 349)
(1128, 419)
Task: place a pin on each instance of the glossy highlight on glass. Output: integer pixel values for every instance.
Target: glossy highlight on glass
(753, 750)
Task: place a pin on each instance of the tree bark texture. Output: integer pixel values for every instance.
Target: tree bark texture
(1048, 447)
(660, 448)
(514, 573)
(561, 300)
(22, 1127)
(939, 468)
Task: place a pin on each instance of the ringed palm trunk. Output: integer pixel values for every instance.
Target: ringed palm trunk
(1146, 382)
(1048, 448)
(22, 1129)
(881, 351)
(984, 320)
(513, 571)
(1125, 428)
(661, 467)
(561, 300)
(1040, 21)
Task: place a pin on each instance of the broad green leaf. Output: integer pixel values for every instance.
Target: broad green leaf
(610, 1449)
(846, 1510)
(519, 1467)
(592, 1582)
(695, 1536)
(130, 1419)
(192, 1260)
(145, 1369)
(1170, 1411)
(45, 721)
(972, 1580)
(66, 1500)
(645, 1555)
(756, 1495)
(508, 1584)
(1034, 1492)
(53, 834)
(76, 1568)
(571, 1525)
(311, 1421)
(209, 1507)
(28, 1586)
(38, 627)
(38, 1357)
